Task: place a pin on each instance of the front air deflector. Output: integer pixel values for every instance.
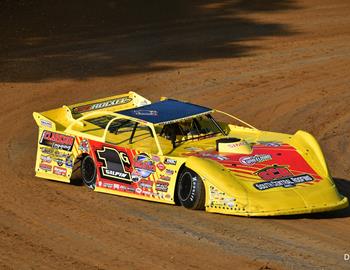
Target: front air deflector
(233, 145)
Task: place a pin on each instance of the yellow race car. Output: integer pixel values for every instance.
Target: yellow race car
(176, 152)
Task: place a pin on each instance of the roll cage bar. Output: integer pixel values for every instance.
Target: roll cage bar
(79, 121)
(115, 116)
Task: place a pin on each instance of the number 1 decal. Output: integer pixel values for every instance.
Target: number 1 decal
(114, 163)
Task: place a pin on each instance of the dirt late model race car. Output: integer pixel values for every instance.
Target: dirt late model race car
(176, 152)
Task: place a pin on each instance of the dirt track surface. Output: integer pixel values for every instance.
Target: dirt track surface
(279, 65)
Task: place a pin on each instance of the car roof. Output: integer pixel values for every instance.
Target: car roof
(166, 111)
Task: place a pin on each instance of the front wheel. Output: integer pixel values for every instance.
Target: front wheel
(88, 172)
(191, 190)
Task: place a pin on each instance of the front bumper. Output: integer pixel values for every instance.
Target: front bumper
(283, 202)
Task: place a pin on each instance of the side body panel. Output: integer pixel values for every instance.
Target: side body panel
(131, 173)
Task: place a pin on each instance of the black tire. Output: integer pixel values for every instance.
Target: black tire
(191, 190)
(88, 172)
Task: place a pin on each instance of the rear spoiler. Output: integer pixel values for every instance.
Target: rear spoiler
(112, 104)
(62, 117)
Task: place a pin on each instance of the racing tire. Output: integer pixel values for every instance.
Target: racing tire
(88, 172)
(190, 190)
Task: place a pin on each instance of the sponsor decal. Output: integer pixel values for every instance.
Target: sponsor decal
(59, 154)
(122, 188)
(69, 162)
(138, 190)
(219, 157)
(135, 176)
(146, 112)
(251, 160)
(156, 158)
(170, 161)
(219, 198)
(286, 182)
(57, 140)
(59, 162)
(162, 186)
(149, 193)
(214, 156)
(159, 195)
(271, 144)
(144, 165)
(101, 105)
(273, 172)
(230, 202)
(236, 144)
(145, 184)
(194, 149)
(99, 183)
(161, 166)
(45, 167)
(114, 163)
(130, 189)
(84, 146)
(217, 194)
(46, 159)
(169, 172)
(59, 171)
(114, 173)
(167, 196)
(108, 185)
(46, 123)
(280, 176)
(46, 150)
(165, 177)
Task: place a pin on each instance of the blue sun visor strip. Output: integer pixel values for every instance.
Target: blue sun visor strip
(166, 111)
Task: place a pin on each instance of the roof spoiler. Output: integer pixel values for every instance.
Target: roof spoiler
(112, 104)
(62, 117)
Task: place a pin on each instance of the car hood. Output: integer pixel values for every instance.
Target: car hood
(268, 161)
(274, 179)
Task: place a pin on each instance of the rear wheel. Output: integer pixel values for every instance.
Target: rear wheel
(191, 190)
(88, 172)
